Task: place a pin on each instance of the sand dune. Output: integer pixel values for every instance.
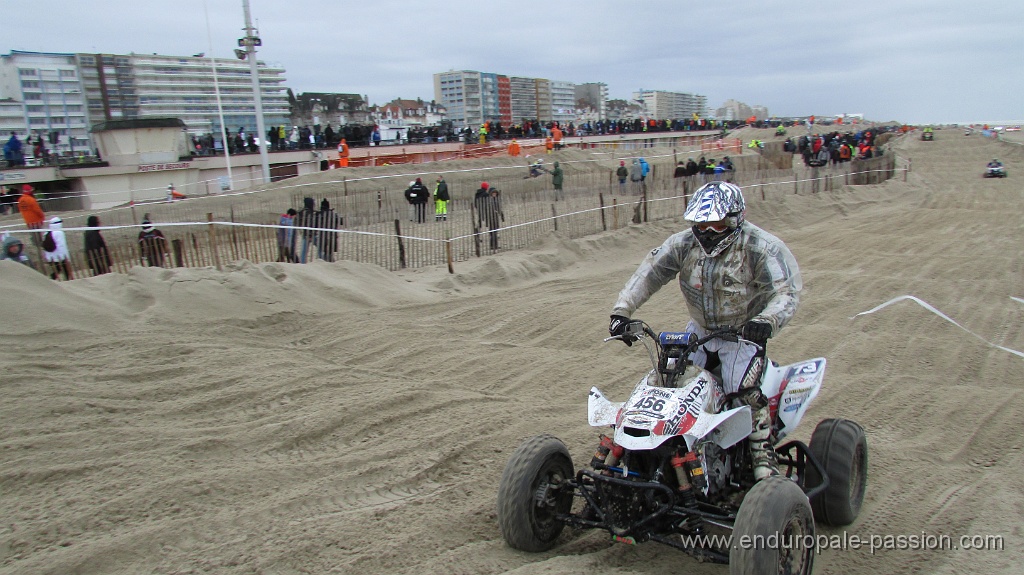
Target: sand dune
(338, 418)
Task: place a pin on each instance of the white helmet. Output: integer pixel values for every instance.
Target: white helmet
(716, 202)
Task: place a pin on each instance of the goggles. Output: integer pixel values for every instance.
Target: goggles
(717, 227)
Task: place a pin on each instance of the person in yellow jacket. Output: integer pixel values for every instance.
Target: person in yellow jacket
(483, 134)
(441, 199)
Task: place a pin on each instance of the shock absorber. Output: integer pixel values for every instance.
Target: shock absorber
(682, 466)
(614, 456)
(603, 448)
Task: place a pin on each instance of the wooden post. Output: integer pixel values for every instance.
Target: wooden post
(177, 248)
(448, 250)
(554, 216)
(476, 227)
(401, 244)
(213, 242)
(344, 182)
(604, 224)
(615, 213)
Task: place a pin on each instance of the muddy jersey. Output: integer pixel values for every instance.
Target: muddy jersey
(754, 278)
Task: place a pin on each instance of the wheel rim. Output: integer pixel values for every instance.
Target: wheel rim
(857, 477)
(795, 558)
(548, 502)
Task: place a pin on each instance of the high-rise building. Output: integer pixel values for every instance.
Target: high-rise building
(563, 102)
(523, 99)
(146, 86)
(663, 105)
(472, 98)
(48, 88)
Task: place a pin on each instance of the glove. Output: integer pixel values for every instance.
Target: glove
(617, 327)
(756, 331)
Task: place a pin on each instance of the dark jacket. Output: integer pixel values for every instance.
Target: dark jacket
(96, 252)
(488, 208)
(417, 193)
(441, 191)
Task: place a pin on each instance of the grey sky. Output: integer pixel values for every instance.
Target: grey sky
(915, 61)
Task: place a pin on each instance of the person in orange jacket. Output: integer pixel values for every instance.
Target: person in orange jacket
(513, 149)
(548, 144)
(556, 134)
(343, 154)
(30, 211)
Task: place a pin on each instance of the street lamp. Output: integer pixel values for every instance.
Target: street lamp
(250, 42)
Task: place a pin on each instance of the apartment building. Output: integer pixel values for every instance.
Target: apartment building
(662, 105)
(132, 86)
(48, 89)
(563, 102)
(472, 98)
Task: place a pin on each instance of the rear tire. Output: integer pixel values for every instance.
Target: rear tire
(774, 531)
(842, 449)
(528, 498)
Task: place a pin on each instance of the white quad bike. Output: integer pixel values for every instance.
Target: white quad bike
(995, 172)
(677, 468)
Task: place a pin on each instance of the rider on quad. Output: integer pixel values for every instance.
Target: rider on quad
(537, 167)
(995, 163)
(732, 274)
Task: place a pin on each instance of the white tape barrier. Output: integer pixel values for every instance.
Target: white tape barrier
(932, 309)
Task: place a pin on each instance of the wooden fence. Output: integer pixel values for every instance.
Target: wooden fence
(377, 226)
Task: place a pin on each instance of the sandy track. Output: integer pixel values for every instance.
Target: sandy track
(341, 419)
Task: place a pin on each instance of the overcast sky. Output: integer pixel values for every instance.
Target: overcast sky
(916, 61)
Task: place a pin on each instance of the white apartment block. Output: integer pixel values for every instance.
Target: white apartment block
(661, 105)
(563, 102)
(48, 88)
(132, 86)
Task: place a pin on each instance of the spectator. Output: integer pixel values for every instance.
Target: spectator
(513, 148)
(55, 250)
(417, 194)
(489, 212)
(548, 144)
(342, 153)
(635, 176)
(30, 211)
(328, 221)
(691, 167)
(14, 249)
(376, 137)
(286, 236)
(622, 173)
(645, 169)
(152, 245)
(679, 174)
(556, 181)
(13, 151)
(96, 252)
(8, 200)
(441, 198)
(556, 136)
(307, 219)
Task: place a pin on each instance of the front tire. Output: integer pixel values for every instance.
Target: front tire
(774, 531)
(842, 449)
(530, 497)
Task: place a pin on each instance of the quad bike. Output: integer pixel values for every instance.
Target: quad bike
(995, 172)
(927, 136)
(677, 469)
